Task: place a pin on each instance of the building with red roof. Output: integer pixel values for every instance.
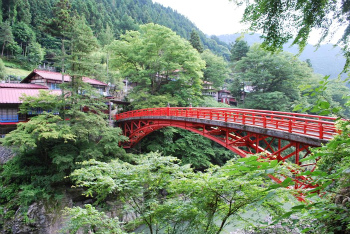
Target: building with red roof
(22, 86)
(36, 81)
(52, 80)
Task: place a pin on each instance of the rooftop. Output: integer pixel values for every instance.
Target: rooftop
(22, 86)
(56, 76)
(12, 95)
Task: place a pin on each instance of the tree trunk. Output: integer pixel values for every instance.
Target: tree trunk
(62, 70)
(3, 48)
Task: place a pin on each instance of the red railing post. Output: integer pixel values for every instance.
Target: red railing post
(264, 121)
(321, 131)
(225, 116)
(290, 126)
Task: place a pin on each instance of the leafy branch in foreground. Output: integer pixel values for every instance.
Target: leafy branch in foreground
(90, 220)
(281, 21)
(167, 197)
(329, 210)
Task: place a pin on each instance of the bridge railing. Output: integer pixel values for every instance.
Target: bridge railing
(321, 127)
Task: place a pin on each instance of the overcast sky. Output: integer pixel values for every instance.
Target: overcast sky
(218, 17)
(213, 17)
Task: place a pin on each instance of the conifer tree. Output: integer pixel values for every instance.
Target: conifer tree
(60, 26)
(238, 50)
(82, 43)
(196, 41)
(6, 36)
(106, 37)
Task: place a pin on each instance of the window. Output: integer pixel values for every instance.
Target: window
(9, 115)
(54, 86)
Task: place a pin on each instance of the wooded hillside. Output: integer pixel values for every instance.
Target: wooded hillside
(24, 32)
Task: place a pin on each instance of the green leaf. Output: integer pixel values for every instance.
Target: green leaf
(324, 105)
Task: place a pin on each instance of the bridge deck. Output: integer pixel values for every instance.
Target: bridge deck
(311, 129)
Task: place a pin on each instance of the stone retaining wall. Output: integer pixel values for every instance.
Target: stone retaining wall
(5, 154)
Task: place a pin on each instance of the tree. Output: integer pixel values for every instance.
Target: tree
(60, 26)
(196, 41)
(2, 70)
(272, 77)
(80, 47)
(238, 50)
(51, 145)
(171, 198)
(6, 36)
(279, 21)
(35, 53)
(126, 23)
(142, 186)
(190, 148)
(166, 68)
(90, 220)
(23, 35)
(216, 69)
(106, 36)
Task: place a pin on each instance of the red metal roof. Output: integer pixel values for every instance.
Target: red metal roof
(52, 75)
(22, 86)
(49, 75)
(93, 81)
(12, 95)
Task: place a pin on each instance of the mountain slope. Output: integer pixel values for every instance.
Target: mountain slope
(118, 15)
(326, 60)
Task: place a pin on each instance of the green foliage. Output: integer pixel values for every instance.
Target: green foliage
(49, 146)
(106, 37)
(88, 219)
(238, 50)
(81, 44)
(35, 53)
(273, 77)
(139, 186)
(172, 198)
(280, 21)
(325, 97)
(328, 213)
(161, 63)
(329, 210)
(51, 20)
(61, 23)
(276, 101)
(2, 70)
(211, 102)
(196, 41)
(216, 69)
(190, 147)
(6, 36)
(24, 36)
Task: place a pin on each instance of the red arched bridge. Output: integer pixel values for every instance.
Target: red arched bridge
(280, 135)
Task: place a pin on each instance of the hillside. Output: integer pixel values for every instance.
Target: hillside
(326, 60)
(27, 19)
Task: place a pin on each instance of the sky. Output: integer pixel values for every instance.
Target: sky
(212, 17)
(219, 17)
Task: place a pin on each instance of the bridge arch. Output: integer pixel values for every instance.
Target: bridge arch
(280, 135)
